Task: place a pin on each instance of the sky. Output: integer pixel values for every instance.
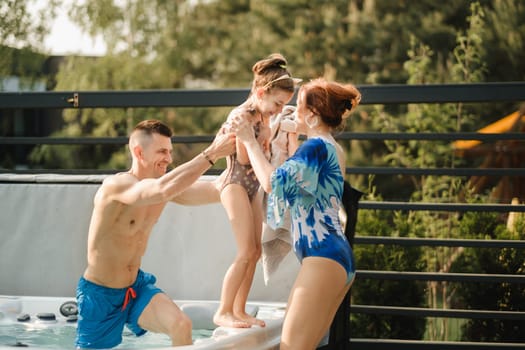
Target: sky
(66, 38)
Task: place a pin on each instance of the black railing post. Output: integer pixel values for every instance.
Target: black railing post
(339, 338)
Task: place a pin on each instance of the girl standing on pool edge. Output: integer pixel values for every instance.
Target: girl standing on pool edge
(310, 184)
(272, 88)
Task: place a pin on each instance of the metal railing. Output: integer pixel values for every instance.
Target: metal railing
(386, 94)
(371, 94)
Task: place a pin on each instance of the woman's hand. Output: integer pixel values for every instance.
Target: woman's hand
(243, 129)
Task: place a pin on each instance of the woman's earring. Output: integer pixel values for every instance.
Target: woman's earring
(312, 124)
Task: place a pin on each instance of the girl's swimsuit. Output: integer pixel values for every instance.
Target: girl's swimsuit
(310, 184)
(243, 174)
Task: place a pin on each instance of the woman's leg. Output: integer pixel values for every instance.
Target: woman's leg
(236, 203)
(317, 293)
(337, 302)
(239, 307)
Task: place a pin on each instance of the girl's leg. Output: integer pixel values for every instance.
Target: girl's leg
(239, 307)
(317, 292)
(235, 202)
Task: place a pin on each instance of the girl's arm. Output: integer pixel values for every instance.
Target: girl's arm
(262, 167)
(240, 150)
(242, 154)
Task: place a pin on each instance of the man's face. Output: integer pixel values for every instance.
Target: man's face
(157, 155)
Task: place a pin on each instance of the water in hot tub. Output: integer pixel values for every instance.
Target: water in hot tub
(63, 336)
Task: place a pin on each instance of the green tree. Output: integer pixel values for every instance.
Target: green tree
(464, 64)
(388, 293)
(138, 58)
(20, 35)
(491, 296)
(505, 40)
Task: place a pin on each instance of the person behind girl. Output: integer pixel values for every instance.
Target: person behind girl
(272, 88)
(310, 184)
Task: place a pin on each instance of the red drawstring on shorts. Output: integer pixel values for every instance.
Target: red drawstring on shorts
(129, 292)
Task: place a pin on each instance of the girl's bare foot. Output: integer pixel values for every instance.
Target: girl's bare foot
(229, 320)
(251, 320)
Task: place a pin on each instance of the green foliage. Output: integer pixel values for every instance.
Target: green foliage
(24, 64)
(504, 40)
(465, 63)
(118, 72)
(18, 31)
(469, 52)
(390, 293)
(491, 296)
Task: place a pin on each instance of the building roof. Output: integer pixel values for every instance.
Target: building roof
(505, 124)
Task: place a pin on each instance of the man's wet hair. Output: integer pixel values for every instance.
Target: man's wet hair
(152, 126)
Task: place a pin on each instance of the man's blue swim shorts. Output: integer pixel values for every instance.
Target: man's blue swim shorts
(103, 311)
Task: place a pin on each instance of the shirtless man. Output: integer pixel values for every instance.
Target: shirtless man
(113, 290)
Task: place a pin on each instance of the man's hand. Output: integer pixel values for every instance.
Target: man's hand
(223, 145)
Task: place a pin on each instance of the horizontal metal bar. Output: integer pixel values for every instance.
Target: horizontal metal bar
(23, 172)
(439, 93)
(124, 99)
(371, 94)
(63, 140)
(361, 171)
(61, 176)
(119, 140)
(436, 172)
(398, 344)
(440, 276)
(462, 172)
(428, 312)
(443, 242)
(343, 136)
(455, 207)
(430, 136)
(370, 205)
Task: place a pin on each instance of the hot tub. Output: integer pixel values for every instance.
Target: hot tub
(43, 237)
(50, 323)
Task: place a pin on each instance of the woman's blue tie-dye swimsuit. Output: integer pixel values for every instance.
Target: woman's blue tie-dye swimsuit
(310, 184)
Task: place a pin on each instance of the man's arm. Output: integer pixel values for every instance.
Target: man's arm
(163, 189)
(200, 193)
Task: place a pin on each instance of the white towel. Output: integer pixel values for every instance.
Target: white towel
(277, 243)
